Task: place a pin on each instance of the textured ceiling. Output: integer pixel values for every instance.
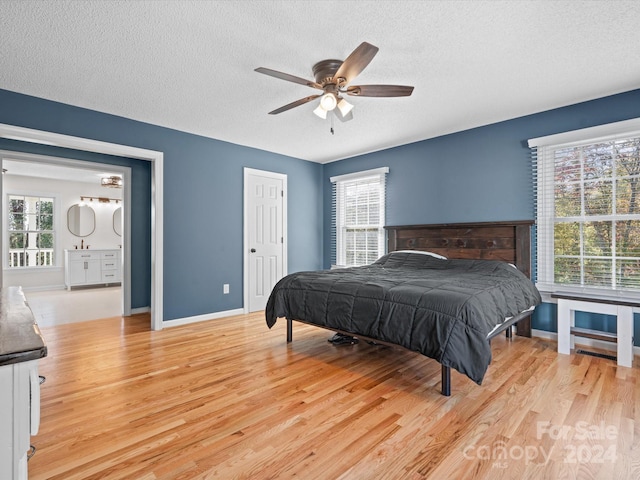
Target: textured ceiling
(188, 65)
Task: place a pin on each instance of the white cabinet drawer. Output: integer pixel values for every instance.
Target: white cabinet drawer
(83, 255)
(113, 255)
(109, 264)
(110, 276)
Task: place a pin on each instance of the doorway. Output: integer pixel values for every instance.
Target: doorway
(265, 235)
(67, 183)
(156, 160)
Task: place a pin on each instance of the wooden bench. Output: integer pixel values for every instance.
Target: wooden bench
(568, 304)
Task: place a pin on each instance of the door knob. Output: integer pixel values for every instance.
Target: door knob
(253, 250)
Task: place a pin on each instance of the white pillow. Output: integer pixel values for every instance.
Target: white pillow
(423, 253)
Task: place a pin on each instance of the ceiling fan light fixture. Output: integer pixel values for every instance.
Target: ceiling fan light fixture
(112, 182)
(344, 107)
(328, 101)
(333, 77)
(321, 112)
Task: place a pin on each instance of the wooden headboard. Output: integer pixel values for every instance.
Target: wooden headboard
(506, 241)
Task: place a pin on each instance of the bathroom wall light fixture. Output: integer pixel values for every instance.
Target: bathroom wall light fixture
(84, 199)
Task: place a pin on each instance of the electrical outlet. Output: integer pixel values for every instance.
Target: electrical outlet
(225, 288)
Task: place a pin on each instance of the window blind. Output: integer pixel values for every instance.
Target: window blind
(587, 200)
(358, 217)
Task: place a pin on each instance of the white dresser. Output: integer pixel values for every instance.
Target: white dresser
(92, 267)
(21, 348)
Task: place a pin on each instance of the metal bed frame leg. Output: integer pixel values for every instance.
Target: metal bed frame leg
(446, 381)
(509, 333)
(446, 371)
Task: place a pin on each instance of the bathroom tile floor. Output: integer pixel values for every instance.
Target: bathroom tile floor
(56, 307)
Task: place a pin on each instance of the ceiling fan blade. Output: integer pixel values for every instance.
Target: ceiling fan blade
(356, 62)
(291, 105)
(379, 90)
(287, 77)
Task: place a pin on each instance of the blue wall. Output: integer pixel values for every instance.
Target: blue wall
(202, 200)
(483, 174)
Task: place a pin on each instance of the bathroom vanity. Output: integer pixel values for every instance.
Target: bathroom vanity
(92, 267)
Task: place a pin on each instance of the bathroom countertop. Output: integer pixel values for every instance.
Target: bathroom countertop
(20, 337)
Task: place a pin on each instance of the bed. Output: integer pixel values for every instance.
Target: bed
(442, 290)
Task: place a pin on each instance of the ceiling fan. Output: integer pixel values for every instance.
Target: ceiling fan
(333, 78)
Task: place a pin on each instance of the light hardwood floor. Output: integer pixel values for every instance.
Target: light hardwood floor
(230, 399)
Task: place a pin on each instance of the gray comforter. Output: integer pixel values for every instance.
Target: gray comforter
(443, 309)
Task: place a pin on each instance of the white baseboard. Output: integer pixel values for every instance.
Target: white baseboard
(135, 311)
(202, 318)
(44, 288)
(585, 342)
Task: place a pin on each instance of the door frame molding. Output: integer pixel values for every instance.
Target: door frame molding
(245, 237)
(156, 158)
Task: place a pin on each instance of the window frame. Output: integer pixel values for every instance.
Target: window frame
(54, 231)
(339, 252)
(543, 149)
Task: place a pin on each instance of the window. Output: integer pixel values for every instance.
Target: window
(358, 217)
(31, 233)
(588, 210)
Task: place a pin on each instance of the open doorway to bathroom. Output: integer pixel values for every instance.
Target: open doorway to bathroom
(54, 210)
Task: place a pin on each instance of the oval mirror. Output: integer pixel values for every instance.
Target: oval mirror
(117, 221)
(81, 220)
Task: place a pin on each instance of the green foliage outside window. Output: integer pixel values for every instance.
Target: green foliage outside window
(597, 214)
(31, 231)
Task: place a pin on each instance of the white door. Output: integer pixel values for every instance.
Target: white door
(265, 231)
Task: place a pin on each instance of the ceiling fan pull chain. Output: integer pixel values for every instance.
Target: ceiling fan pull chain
(331, 129)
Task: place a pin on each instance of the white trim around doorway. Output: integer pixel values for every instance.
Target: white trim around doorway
(157, 168)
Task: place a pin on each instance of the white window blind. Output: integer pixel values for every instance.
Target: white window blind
(587, 186)
(358, 217)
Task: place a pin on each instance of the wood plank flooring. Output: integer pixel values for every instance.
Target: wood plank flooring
(229, 399)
